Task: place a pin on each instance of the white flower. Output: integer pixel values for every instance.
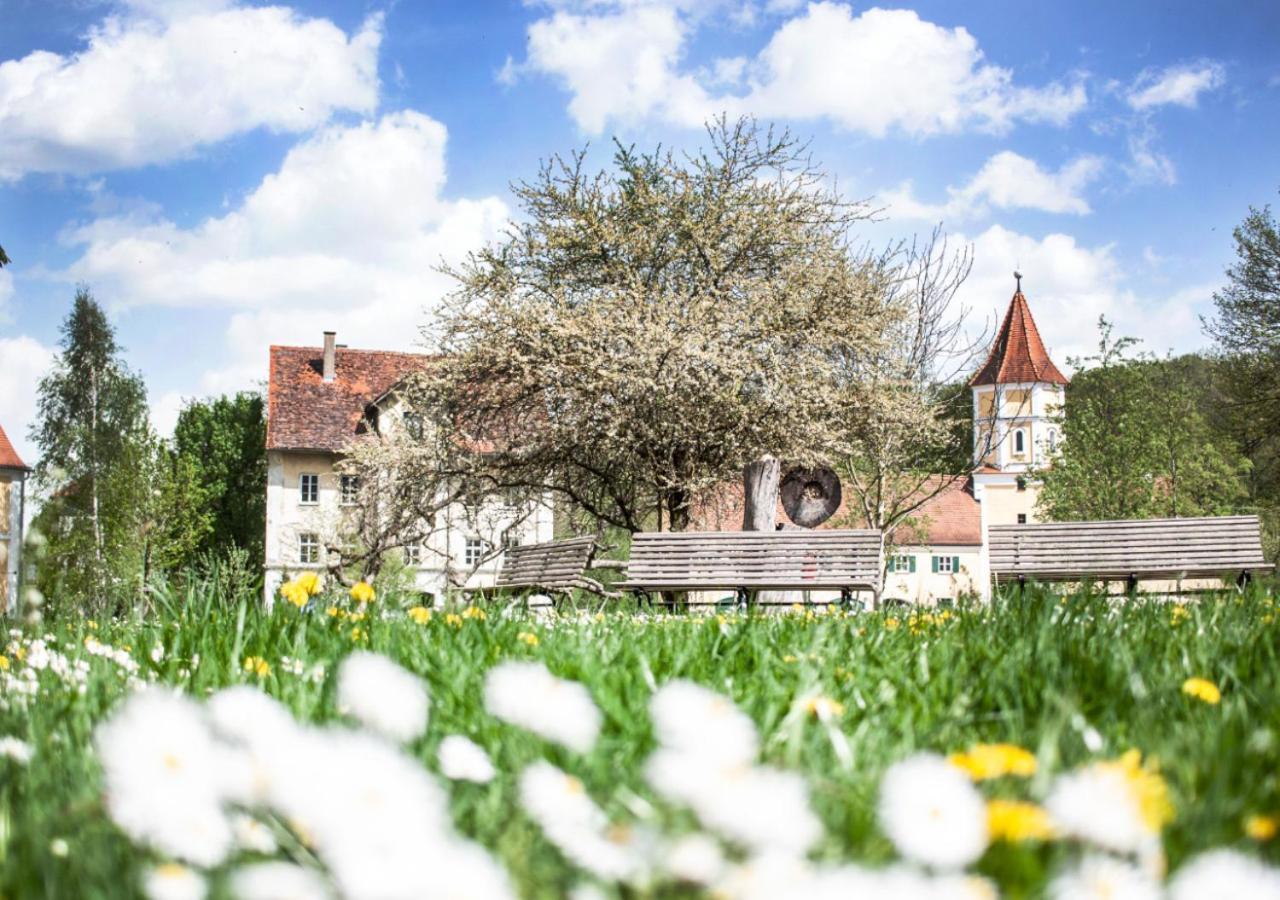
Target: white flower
(1099, 877)
(15, 749)
(571, 820)
(173, 882)
(278, 881)
(764, 808)
(461, 759)
(59, 847)
(932, 812)
(692, 719)
(695, 858)
(1097, 804)
(1222, 875)
(165, 777)
(252, 835)
(527, 695)
(383, 696)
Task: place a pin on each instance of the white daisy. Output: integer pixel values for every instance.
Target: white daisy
(570, 819)
(1098, 877)
(173, 882)
(278, 881)
(383, 696)
(1098, 805)
(15, 749)
(692, 719)
(527, 695)
(1223, 875)
(696, 859)
(252, 835)
(245, 715)
(932, 813)
(164, 777)
(461, 759)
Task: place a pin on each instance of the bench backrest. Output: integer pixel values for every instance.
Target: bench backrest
(1146, 548)
(756, 560)
(553, 565)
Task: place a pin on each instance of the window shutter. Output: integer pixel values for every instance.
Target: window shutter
(911, 563)
(935, 563)
(955, 565)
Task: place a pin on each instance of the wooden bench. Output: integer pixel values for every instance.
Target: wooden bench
(747, 561)
(556, 567)
(1128, 550)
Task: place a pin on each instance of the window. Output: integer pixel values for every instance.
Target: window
(946, 565)
(349, 489)
(308, 548)
(902, 563)
(1053, 439)
(1022, 518)
(308, 488)
(1019, 442)
(474, 552)
(1021, 483)
(413, 555)
(413, 425)
(511, 539)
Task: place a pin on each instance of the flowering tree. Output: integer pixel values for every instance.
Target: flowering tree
(645, 332)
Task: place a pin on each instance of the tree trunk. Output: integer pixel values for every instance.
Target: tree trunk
(760, 481)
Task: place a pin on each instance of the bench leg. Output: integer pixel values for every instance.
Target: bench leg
(742, 599)
(1243, 581)
(1131, 585)
(847, 602)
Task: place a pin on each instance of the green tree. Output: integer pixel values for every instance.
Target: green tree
(1136, 444)
(181, 520)
(4, 259)
(95, 450)
(223, 443)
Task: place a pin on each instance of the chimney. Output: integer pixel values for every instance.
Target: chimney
(330, 355)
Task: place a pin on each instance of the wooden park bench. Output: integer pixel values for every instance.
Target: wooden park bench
(554, 567)
(1128, 550)
(748, 561)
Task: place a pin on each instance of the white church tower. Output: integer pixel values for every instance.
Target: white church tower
(1017, 395)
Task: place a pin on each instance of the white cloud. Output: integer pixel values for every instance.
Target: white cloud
(329, 241)
(880, 71)
(1069, 285)
(1179, 85)
(6, 293)
(25, 361)
(158, 83)
(1006, 181)
(1147, 165)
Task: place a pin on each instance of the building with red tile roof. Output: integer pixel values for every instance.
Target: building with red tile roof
(1017, 354)
(13, 478)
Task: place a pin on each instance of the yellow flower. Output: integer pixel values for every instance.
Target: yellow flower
(1202, 689)
(362, 592)
(295, 593)
(474, 612)
(334, 613)
(93, 625)
(823, 708)
(4, 664)
(599, 617)
(420, 614)
(1261, 828)
(986, 761)
(356, 616)
(1149, 789)
(358, 634)
(890, 624)
(453, 619)
(309, 582)
(1017, 821)
(1178, 614)
(256, 665)
(788, 658)
(526, 637)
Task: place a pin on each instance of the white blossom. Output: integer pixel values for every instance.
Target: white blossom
(932, 812)
(383, 696)
(527, 695)
(461, 759)
(1222, 875)
(1099, 877)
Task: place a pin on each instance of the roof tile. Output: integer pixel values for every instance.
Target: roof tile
(9, 458)
(1018, 355)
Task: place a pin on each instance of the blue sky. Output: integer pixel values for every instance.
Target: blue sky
(226, 175)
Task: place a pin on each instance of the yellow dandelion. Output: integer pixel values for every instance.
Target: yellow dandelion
(529, 638)
(1202, 689)
(474, 612)
(93, 625)
(1149, 788)
(363, 592)
(256, 665)
(1017, 821)
(1179, 614)
(823, 708)
(420, 614)
(453, 619)
(599, 617)
(982, 762)
(4, 664)
(310, 582)
(356, 616)
(295, 593)
(891, 624)
(789, 659)
(358, 634)
(334, 613)
(1261, 828)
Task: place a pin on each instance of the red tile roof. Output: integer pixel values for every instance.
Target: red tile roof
(305, 413)
(9, 458)
(952, 517)
(1018, 355)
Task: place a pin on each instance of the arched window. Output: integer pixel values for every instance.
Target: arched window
(1019, 441)
(1053, 439)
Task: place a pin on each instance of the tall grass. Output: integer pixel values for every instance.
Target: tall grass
(1071, 678)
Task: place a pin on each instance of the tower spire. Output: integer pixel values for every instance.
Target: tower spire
(1018, 278)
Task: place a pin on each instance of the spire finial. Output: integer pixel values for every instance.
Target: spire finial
(1018, 277)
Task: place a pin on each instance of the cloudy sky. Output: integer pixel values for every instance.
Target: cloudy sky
(227, 175)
